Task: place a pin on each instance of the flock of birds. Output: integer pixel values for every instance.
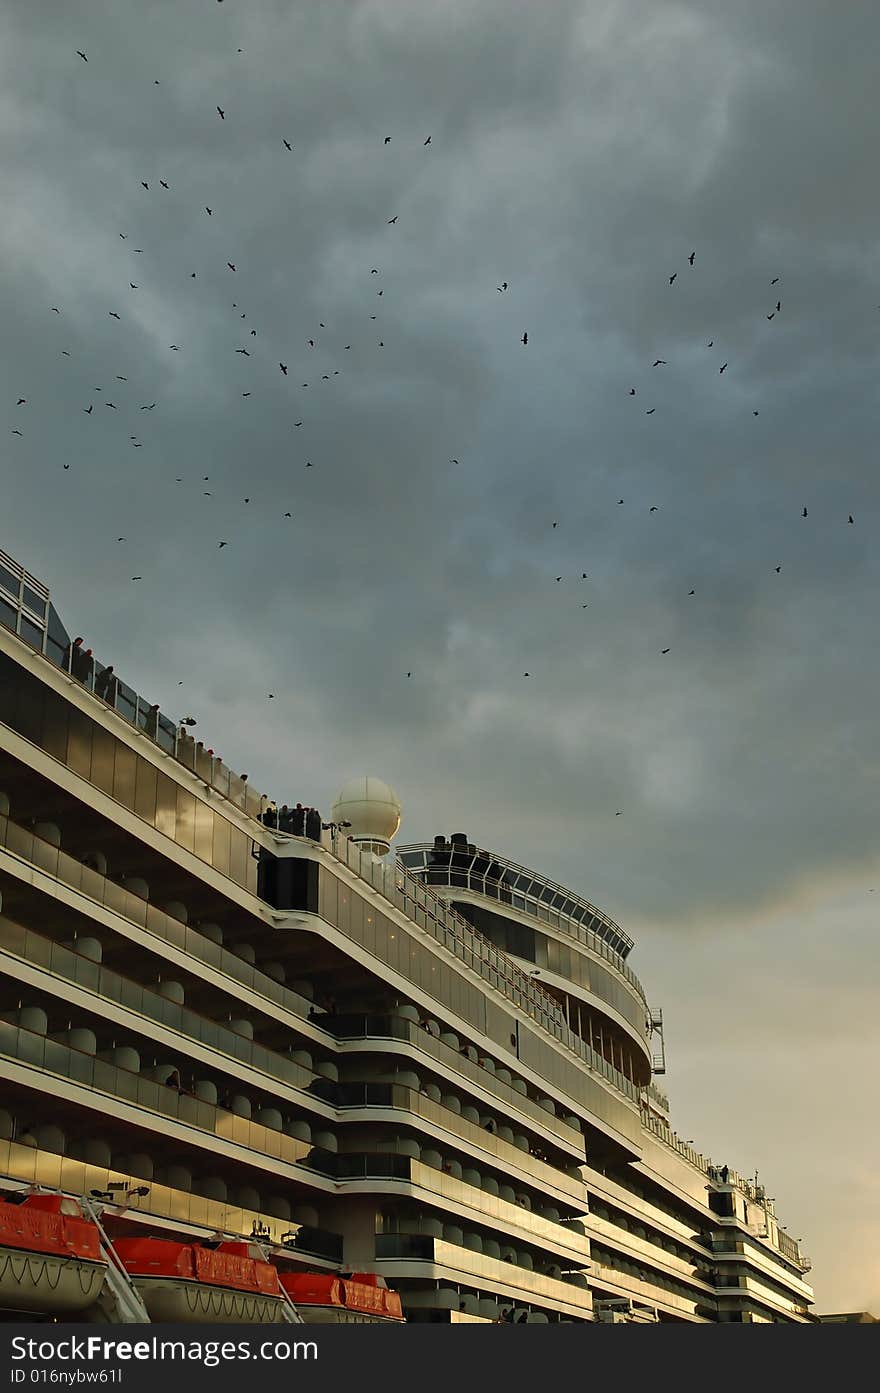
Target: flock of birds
(250, 350)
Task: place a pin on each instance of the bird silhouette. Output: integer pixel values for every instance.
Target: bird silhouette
(175, 347)
(691, 592)
(132, 285)
(245, 394)
(113, 314)
(392, 221)
(502, 287)
(653, 509)
(651, 412)
(283, 367)
(18, 432)
(121, 379)
(665, 650)
(778, 305)
(618, 814)
(850, 518)
(723, 366)
(775, 280)
(55, 309)
(287, 515)
(428, 141)
(64, 353)
(711, 343)
(162, 182)
(778, 569)
(244, 351)
(632, 391)
(525, 674)
(556, 524)
(209, 211)
(22, 401)
(137, 577)
(81, 55)
(223, 544)
(771, 316)
(232, 268)
(659, 362)
(145, 186)
(287, 144)
(691, 258)
(148, 408)
(524, 339)
(297, 423)
(672, 277)
(221, 113)
(87, 410)
(755, 413)
(271, 696)
(804, 513)
(112, 405)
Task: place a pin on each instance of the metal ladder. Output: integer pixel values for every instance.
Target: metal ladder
(288, 1310)
(119, 1301)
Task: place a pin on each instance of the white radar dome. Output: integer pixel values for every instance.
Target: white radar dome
(373, 809)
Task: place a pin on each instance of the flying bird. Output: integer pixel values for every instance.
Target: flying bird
(692, 592)
(665, 650)
(175, 347)
(245, 394)
(618, 814)
(388, 140)
(778, 569)
(18, 432)
(502, 287)
(632, 391)
(287, 515)
(121, 379)
(723, 366)
(804, 513)
(850, 518)
(287, 144)
(148, 408)
(232, 268)
(392, 221)
(778, 305)
(772, 316)
(271, 696)
(22, 401)
(244, 351)
(223, 544)
(222, 114)
(659, 362)
(87, 410)
(209, 211)
(755, 413)
(428, 141)
(137, 577)
(145, 186)
(691, 258)
(132, 284)
(162, 182)
(653, 509)
(651, 412)
(711, 343)
(775, 280)
(81, 55)
(672, 277)
(111, 405)
(525, 674)
(113, 314)
(55, 309)
(283, 367)
(524, 339)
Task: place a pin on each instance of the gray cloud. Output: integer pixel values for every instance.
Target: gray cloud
(579, 153)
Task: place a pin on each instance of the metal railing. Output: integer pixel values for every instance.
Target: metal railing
(506, 892)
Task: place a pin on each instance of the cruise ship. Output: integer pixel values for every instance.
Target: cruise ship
(259, 1066)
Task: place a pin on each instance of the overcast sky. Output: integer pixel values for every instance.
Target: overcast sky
(579, 151)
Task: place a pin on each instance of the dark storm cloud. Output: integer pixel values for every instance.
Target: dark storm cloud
(579, 152)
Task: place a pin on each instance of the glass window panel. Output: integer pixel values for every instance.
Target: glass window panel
(220, 852)
(166, 805)
(185, 830)
(34, 602)
(102, 759)
(8, 614)
(146, 784)
(9, 581)
(55, 724)
(240, 860)
(204, 840)
(124, 773)
(31, 633)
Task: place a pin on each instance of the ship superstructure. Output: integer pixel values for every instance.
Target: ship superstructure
(436, 1072)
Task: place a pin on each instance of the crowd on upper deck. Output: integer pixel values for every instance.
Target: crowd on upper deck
(298, 821)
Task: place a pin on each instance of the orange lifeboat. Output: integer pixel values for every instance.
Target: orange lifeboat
(50, 1257)
(182, 1282)
(324, 1299)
